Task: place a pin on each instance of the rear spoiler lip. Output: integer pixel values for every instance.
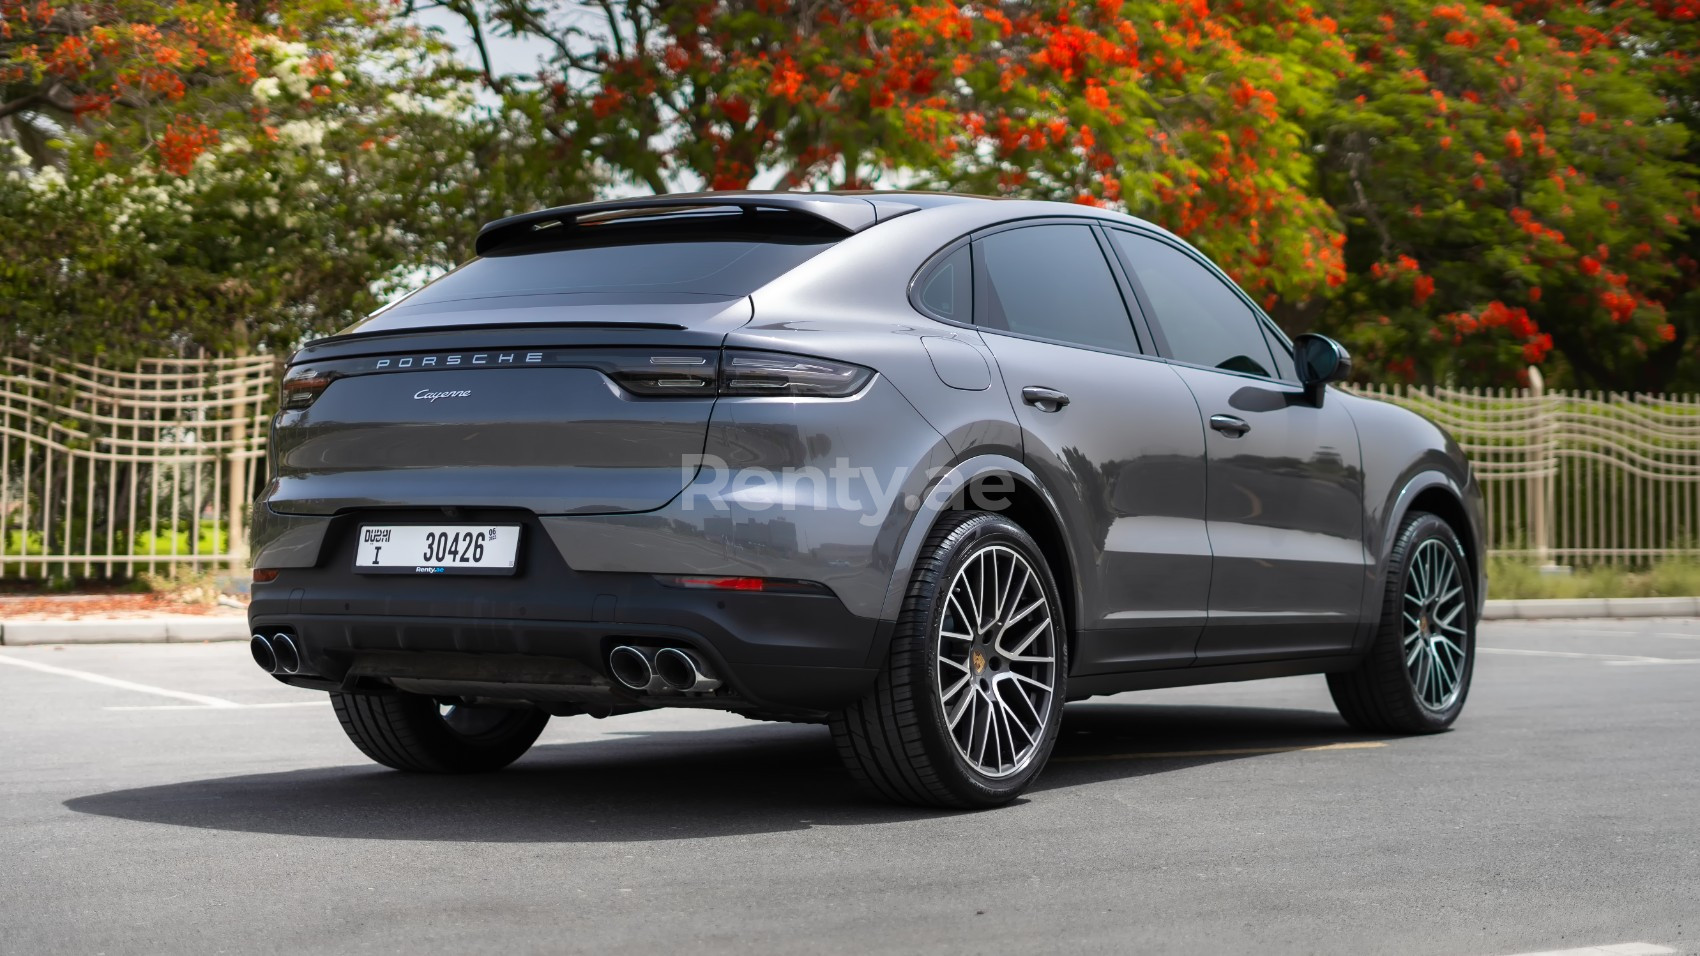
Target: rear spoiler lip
(849, 213)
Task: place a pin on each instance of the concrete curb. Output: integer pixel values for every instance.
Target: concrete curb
(189, 629)
(1546, 609)
(153, 630)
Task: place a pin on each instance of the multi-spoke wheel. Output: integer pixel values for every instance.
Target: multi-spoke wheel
(1434, 617)
(1417, 673)
(966, 710)
(998, 661)
(414, 732)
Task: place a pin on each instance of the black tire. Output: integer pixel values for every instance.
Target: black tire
(411, 732)
(896, 742)
(1382, 695)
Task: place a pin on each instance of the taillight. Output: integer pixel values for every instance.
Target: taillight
(766, 373)
(662, 375)
(302, 389)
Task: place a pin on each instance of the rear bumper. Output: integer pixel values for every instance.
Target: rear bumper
(545, 632)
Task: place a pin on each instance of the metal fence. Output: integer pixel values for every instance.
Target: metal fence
(1576, 477)
(107, 473)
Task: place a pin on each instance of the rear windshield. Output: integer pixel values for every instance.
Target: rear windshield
(703, 267)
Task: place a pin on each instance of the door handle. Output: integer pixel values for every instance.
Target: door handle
(1044, 399)
(1229, 425)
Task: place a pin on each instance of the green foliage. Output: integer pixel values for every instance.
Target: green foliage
(1458, 190)
(1184, 114)
(1514, 194)
(1511, 579)
(20, 542)
(210, 538)
(354, 158)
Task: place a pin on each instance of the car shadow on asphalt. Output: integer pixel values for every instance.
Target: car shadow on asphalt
(764, 778)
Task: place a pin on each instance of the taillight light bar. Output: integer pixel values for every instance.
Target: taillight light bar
(650, 373)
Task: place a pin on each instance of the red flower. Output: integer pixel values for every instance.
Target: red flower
(1590, 266)
(1096, 96)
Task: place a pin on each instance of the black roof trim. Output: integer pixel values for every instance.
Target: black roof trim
(852, 214)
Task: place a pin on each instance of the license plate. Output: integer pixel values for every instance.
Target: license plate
(437, 549)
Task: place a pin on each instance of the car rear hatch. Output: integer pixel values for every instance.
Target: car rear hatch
(570, 369)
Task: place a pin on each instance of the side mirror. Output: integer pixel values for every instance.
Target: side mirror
(1320, 360)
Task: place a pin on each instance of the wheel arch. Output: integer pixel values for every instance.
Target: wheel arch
(1438, 494)
(992, 479)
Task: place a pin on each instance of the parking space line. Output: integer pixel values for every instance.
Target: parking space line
(1231, 752)
(201, 700)
(1576, 655)
(1616, 949)
(1624, 631)
(284, 703)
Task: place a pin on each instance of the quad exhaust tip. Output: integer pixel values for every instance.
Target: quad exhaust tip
(264, 656)
(288, 655)
(277, 654)
(630, 666)
(684, 671)
(654, 671)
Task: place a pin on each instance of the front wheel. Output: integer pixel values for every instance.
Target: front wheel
(966, 711)
(1417, 673)
(415, 732)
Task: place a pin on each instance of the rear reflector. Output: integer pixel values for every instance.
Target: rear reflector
(264, 575)
(773, 585)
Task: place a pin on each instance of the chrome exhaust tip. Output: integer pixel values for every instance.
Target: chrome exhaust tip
(287, 654)
(630, 666)
(683, 671)
(263, 653)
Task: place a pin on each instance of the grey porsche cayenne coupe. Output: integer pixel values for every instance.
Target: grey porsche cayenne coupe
(920, 467)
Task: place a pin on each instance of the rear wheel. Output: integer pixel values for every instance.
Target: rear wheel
(966, 711)
(414, 732)
(1417, 673)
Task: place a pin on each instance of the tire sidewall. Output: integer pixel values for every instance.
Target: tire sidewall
(962, 779)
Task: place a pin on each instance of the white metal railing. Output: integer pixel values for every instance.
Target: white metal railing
(1574, 476)
(108, 473)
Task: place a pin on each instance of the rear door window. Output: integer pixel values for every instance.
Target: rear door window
(1052, 282)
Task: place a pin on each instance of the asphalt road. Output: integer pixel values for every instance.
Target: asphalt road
(1563, 812)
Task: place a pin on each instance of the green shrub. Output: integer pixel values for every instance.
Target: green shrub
(1509, 579)
(211, 539)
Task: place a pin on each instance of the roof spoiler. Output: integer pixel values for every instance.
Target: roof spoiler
(851, 214)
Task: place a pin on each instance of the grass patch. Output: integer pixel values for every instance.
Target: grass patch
(1509, 579)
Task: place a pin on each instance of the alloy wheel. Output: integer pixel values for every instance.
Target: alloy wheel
(1435, 617)
(997, 654)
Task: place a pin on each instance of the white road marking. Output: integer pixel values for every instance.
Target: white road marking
(200, 699)
(1233, 752)
(1617, 949)
(287, 703)
(1626, 632)
(1574, 655)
